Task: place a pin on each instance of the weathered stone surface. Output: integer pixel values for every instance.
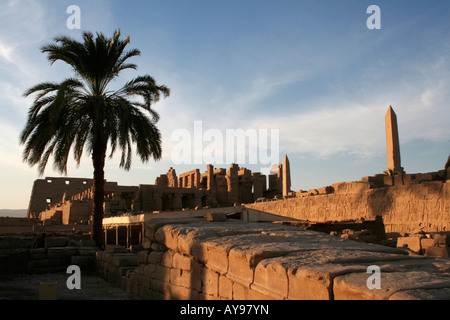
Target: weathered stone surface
(215, 217)
(401, 207)
(438, 252)
(115, 249)
(61, 252)
(412, 243)
(125, 259)
(56, 242)
(422, 294)
(354, 286)
(235, 260)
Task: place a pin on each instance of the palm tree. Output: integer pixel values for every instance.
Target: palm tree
(82, 112)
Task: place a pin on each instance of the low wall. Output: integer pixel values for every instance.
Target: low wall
(404, 208)
(19, 255)
(233, 260)
(9, 225)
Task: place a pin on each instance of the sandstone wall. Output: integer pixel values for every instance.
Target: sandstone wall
(404, 208)
(18, 255)
(234, 260)
(50, 191)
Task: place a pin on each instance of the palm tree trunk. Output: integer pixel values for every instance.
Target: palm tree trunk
(98, 159)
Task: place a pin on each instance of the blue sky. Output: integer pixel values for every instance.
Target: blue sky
(311, 69)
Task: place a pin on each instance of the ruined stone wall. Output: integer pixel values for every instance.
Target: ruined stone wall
(404, 208)
(18, 254)
(50, 191)
(233, 260)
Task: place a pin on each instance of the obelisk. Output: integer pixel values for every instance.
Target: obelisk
(286, 177)
(392, 142)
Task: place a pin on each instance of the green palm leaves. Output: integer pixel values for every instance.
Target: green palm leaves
(80, 112)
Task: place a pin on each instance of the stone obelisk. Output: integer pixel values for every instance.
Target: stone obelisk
(286, 177)
(392, 142)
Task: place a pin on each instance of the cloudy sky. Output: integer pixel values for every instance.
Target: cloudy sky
(312, 70)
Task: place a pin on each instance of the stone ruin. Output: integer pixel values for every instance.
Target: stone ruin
(210, 256)
(69, 200)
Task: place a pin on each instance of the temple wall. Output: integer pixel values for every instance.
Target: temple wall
(404, 208)
(50, 191)
(191, 259)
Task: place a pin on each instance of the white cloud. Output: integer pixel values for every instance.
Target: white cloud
(353, 129)
(5, 52)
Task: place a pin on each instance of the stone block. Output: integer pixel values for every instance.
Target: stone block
(37, 254)
(442, 239)
(48, 264)
(398, 179)
(422, 294)
(56, 242)
(157, 284)
(86, 251)
(155, 246)
(167, 258)
(196, 276)
(353, 286)
(82, 260)
(243, 260)
(147, 244)
(168, 237)
(115, 249)
(215, 217)
(210, 282)
(155, 257)
(388, 180)
(154, 225)
(256, 295)
(98, 255)
(16, 242)
(225, 288)
(425, 243)
(271, 275)
(161, 273)
(412, 243)
(125, 260)
(182, 262)
(135, 248)
(61, 252)
(214, 256)
(240, 292)
(305, 284)
(434, 251)
(149, 270)
(179, 293)
(142, 256)
(185, 279)
(241, 267)
(107, 257)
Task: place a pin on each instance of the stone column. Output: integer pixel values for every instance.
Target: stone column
(286, 177)
(392, 142)
(233, 184)
(259, 185)
(177, 201)
(210, 177)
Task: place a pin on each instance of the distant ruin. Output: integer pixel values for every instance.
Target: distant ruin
(236, 234)
(405, 202)
(69, 200)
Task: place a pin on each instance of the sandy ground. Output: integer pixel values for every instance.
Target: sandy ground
(26, 287)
